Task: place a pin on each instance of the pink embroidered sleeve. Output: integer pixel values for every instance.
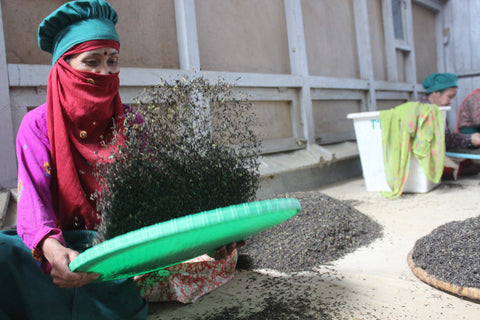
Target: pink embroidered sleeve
(35, 215)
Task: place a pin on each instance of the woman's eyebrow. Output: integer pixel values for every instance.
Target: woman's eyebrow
(101, 54)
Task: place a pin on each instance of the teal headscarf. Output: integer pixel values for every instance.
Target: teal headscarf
(76, 22)
(440, 81)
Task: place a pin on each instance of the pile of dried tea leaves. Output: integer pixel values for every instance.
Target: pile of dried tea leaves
(293, 309)
(325, 230)
(451, 253)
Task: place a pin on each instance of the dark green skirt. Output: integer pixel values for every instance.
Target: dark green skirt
(28, 294)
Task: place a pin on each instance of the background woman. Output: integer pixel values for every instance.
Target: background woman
(468, 118)
(441, 90)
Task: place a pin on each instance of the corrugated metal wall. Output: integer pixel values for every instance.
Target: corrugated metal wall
(461, 41)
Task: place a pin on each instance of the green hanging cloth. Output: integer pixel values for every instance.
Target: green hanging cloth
(417, 128)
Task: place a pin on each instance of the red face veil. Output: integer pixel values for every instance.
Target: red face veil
(82, 110)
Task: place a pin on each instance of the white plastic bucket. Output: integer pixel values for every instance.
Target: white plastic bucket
(369, 140)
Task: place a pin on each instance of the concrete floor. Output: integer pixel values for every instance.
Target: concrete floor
(373, 282)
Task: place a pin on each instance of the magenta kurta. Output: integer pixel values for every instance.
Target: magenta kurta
(35, 215)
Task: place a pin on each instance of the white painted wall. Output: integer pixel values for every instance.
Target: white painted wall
(23, 85)
(8, 165)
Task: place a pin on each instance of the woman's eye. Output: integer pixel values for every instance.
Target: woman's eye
(91, 63)
(113, 62)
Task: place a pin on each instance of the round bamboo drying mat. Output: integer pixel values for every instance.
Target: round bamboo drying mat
(470, 293)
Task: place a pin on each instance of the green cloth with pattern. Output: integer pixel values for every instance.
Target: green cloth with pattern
(412, 128)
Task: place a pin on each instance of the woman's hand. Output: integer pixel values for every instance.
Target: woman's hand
(59, 258)
(225, 251)
(475, 139)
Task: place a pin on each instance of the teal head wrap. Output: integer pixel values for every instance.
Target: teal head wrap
(440, 81)
(76, 22)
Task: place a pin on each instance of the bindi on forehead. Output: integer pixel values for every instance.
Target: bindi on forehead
(105, 53)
